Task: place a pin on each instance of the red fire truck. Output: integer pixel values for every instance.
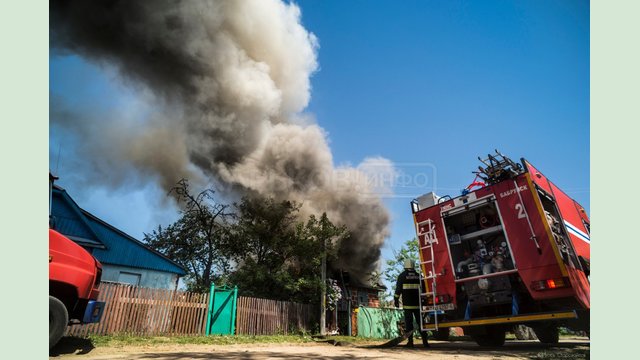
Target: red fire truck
(512, 249)
(74, 276)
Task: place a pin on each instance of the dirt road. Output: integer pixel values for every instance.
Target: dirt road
(566, 349)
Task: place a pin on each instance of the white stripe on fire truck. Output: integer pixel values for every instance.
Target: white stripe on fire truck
(575, 231)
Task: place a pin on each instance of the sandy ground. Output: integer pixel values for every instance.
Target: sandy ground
(567, 349)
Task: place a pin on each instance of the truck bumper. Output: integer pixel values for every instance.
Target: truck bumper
(93, 312)
(511, 319)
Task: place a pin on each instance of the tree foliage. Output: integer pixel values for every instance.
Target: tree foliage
(409, 250)
(199, 239)
(260, 245)
(277, 256)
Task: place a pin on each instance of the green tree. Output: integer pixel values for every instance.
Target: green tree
(258, 244)
(199, 239)
(394, 266)
(323, 238)
(263, 240)
(277, 256)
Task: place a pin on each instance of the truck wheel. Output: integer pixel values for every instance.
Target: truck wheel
(547, 334)
(494, 337)
(441, 334)
(58, 320)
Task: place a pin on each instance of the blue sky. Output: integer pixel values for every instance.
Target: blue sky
(418, 82)
(443, 82)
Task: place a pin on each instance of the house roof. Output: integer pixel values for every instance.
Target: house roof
(347, 280)
(69, 220)
(110, 245)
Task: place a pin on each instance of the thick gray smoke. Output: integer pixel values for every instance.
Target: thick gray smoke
(228, 82)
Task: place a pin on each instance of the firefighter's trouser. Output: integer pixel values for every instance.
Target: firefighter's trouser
(409, 315)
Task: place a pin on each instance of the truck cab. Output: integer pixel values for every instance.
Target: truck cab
(74, 277)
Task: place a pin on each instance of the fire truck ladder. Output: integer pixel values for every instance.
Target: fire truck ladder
(426, 238)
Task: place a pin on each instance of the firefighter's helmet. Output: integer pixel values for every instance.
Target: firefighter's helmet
(408, 264)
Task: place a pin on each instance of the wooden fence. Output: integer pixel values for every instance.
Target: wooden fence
(147, 312)
(153, 312)
(269, 317)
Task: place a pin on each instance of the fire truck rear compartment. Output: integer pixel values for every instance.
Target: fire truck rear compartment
(477, 242)
(492, 291)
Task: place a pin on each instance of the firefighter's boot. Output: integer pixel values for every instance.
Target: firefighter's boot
(410, 342)
(425, 339)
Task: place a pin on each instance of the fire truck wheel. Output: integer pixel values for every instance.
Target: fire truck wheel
(547, 333)
(58, 320)
(441, 334)
(494, 337)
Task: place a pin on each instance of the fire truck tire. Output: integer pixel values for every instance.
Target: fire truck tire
(58, 320)
(494, 337)
(441, 334)
(547, 334)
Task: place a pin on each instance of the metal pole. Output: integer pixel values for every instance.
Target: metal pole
(349, 331)
(323, 292)
(235, 309)
(347, 293)
(210, 311)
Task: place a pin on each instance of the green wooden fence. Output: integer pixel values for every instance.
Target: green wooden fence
(380, 323)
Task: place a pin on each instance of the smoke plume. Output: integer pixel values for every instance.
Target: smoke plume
(227, 82)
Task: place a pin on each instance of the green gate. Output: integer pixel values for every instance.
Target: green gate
(221, 319)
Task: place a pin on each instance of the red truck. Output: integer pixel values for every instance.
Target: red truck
(74, 276)
(513, 249)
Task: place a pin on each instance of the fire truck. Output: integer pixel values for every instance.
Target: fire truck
(513, 249)
(74, 277)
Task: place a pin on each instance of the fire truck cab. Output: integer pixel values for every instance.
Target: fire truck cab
(74, 280)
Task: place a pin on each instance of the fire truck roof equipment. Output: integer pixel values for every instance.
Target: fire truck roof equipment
(497, 168)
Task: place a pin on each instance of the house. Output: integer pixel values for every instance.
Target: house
(124, 259)
(355, 294)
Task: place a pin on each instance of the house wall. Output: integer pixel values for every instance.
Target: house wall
(146, 278)
(359, 297)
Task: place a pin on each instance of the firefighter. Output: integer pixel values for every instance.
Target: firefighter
(409, 286)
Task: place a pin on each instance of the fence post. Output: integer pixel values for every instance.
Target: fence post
(210, 310)
(235, 308)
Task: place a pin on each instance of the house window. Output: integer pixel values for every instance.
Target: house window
(129, 278)
(363, 298)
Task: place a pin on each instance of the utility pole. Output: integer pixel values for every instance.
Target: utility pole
(323, 292)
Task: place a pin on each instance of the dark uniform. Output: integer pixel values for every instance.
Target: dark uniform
(409, 286)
